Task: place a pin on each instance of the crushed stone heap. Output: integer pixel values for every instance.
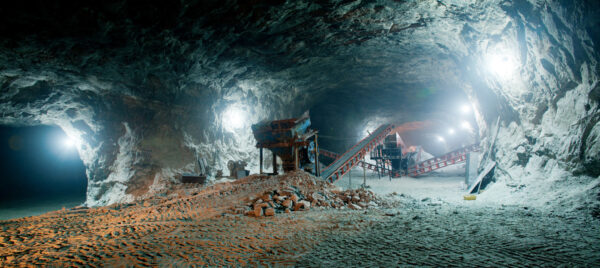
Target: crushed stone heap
(298, 191)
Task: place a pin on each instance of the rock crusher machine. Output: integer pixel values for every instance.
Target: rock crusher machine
(292, 141)
(393, 157)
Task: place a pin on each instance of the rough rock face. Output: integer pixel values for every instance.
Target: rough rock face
(148, 88)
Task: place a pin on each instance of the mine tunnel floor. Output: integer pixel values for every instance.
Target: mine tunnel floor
(448, 185)
(195, 226)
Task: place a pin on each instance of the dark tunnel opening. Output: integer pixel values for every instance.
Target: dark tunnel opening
(41, 171)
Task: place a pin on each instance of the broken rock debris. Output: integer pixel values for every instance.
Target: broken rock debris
(300, 191)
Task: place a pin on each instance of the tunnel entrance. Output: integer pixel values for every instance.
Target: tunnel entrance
(41, 171)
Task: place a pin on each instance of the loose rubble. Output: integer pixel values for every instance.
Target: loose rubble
(195, 227)
(299, 191)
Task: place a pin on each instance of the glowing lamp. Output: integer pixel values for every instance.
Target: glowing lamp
(69, 142)
(466, 125)
(233, 118)
(465, 109)
(502, 65)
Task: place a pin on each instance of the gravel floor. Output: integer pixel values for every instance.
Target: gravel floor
(431, 234)
(193, 228)
(434, 226)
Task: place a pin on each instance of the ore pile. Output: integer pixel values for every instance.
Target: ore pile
(301, 191)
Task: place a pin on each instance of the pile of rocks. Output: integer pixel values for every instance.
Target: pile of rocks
(294, 199)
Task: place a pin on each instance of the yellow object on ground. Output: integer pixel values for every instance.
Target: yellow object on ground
(470, 197)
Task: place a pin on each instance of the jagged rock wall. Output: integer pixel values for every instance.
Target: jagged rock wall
(145, 87)
(545, 147)
(129, 143)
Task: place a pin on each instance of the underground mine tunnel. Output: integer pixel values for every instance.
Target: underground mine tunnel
(300, 133)
(41, 171)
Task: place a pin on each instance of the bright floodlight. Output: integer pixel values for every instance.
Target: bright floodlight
(69, 142)
(451, 131)
(441, 139)
(233, 118)
(465, 109)
(466, 125)
(502, 65)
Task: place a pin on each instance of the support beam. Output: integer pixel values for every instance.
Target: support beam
(364, 174)
(274, 163)
(296, 162)
(260, 162)
(317, 166)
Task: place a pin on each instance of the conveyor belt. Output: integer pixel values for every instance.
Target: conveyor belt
(451, 158)
(363, 164)
(354, 155)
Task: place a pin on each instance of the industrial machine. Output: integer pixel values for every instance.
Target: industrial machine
(237, 169)
(199, 177)
(394, 155)
(291, 140)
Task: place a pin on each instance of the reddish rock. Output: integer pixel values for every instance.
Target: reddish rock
(287, 203)
(302, 205)
(269, 212)
(260, 205)
(258, 211)
(266, 197)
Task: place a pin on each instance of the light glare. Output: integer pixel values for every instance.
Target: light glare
(466, 125)
(465, 109)
(501, 65)
(233, 118)
(69, 143)
(451, 131)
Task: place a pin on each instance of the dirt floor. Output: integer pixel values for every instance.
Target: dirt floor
(197, 227)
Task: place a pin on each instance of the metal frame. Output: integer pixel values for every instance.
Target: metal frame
(451, 158)
(287, 133)
(353, 156)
